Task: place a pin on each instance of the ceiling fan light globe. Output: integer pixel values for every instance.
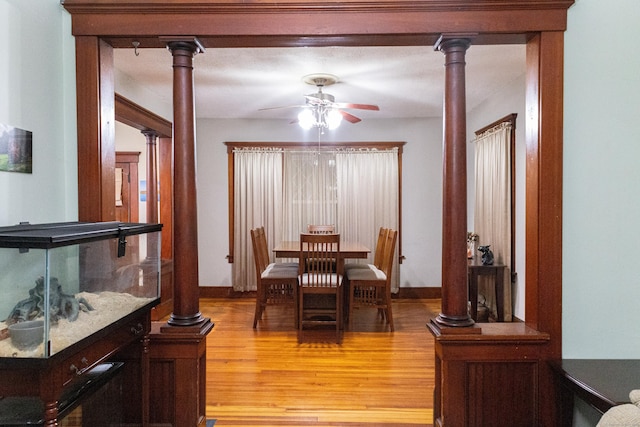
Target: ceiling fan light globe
(306, 119)
(333, 119)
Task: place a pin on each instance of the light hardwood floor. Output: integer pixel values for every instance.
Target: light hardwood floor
(263, 377)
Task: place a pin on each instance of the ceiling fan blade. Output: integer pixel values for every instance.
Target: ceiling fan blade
(357, 106)
(349, 117)
(277, 108)
(314, 100)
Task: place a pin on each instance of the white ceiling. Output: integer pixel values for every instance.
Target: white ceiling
(405, 82)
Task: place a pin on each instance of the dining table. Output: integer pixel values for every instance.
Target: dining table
(348, 250)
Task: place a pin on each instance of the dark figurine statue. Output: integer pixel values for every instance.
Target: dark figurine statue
(487, 255)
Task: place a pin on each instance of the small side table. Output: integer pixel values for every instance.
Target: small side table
(475, 268)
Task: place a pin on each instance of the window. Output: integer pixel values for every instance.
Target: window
(356, 187)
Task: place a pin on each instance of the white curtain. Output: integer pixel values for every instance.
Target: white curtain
(258, 202)
(368, 197)
(310, 191)
(285, 190)
(492, 215)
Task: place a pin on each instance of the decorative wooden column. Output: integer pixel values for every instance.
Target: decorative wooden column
(186, 293)
(486, 374)
(178, 347)
(152, 176)
(454, 206)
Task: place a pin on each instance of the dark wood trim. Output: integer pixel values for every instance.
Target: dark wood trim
(382, 145)
(96, 130)
(544, 106)
(419, 293)
(128, 156)
(138, 117)
(297, 23)
(165, 166)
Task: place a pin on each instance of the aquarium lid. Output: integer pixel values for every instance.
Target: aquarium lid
(45, 236)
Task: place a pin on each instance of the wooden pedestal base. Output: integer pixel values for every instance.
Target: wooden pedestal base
(489, 377)
(178, 373)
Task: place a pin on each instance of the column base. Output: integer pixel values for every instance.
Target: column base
(192, 320)
(442, 325)
(178, 373)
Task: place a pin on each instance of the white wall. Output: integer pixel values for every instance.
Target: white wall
(37, 93)
(510, 99)
(601, 279)
(422, 188)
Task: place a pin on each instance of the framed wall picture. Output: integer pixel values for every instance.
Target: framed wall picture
(15, 149)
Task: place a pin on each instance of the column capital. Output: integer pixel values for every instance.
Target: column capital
(189, 43)
(448, 41)
(151, 135)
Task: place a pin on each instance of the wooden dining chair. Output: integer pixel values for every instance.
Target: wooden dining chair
(264, 251)
(320, 254)
(321, 229)
(377, 256)
(371, 287)
(277, 284)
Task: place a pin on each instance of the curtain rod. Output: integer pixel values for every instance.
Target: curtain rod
(511, 118)
(496, 128)
(329, 150)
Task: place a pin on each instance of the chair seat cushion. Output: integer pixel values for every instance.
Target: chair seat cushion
(356, 266)
(283, 265)
(371, 273)
(279, 273)
(330, 279)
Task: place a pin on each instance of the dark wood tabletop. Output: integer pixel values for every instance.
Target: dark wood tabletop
(291, 249)
(603, 383)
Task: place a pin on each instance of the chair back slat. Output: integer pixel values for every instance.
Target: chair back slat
(389, 252)
(260, 250)
(321, 229)
(319, 255)
(379, 253)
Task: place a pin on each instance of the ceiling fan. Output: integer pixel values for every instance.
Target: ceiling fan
(320, 109)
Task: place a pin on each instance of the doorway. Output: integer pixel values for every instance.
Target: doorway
(127, 188)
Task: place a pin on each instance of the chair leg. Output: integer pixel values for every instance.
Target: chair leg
(351, 301)
(300, 313)
(339, 315)
(296, 305)
(259, 308)
(388, 312)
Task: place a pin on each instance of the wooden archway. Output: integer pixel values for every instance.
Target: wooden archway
(511, 349)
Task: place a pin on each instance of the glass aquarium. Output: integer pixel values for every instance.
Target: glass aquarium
(62, 282)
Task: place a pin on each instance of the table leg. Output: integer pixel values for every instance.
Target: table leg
(473, 294)
(500, 294)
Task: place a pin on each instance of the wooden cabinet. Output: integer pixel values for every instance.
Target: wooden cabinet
(488, 376)
(51, 378)
(95, 287)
